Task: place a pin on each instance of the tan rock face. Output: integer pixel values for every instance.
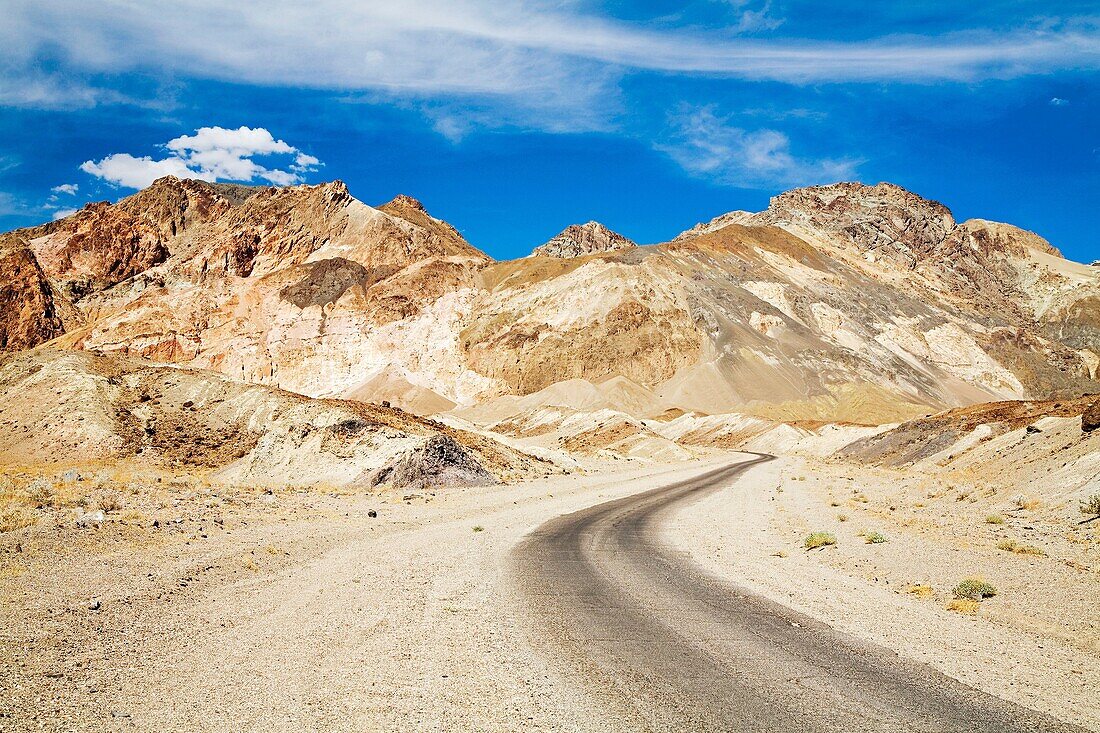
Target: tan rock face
(28, 313)
(583, 239)
(842, 300)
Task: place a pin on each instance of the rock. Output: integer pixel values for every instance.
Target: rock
(1033, 429)
(1090, 418)
(91, 519)
(583, 239)
(439, 461)
(371, 513)
(95, 605)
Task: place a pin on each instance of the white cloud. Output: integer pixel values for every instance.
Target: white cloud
(549, 61)
(758, 20)
(69, 189)
(1058, 101)
(62, 213)
(707, 146)
(123, 169)
(211, 154)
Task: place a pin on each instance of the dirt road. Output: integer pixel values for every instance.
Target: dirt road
(306, 613)
(672, 648)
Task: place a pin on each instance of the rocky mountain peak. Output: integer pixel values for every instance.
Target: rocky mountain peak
(583, 239)
(401, 201)
(884, 222)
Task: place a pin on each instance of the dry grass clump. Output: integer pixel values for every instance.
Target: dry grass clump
(842, 517)
(974, 589)
(994, 519)
(920, 590)
(1026, 503)
(963, 605)
(1013, 546)
(478, 528)
(874, 538)
(1091, 506)
(819, 539)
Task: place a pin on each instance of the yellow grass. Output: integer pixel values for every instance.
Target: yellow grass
(964, 606)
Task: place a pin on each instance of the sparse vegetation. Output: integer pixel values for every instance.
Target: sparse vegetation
(478, 528)
(1091, 506)
(920, 590)
(13, 518)
(1026, 503)
(819, 539)
(842, 517)
(967, 606)
(1013, 546)
(974, 589)
(994, 519)
(874, 538)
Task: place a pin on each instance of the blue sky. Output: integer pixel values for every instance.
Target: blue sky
(513, 119)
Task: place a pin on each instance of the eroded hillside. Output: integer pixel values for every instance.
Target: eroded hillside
(844, 302)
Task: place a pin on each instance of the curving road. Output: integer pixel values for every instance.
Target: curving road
(666, 647)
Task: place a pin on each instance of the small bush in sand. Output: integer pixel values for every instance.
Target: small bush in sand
(110, 501)
(478, 528)
(974, 589)
(819, 539)
(874, 538)
(834, 502)
(1091, 506)
(994, 519)
(1013, 546)
(842, 517)
(920, 590)
(963, 605)
(1027, 503)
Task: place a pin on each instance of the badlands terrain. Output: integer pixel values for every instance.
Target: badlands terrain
(276, 459)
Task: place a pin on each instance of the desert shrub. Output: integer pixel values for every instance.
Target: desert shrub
(974, 589)
(478, 528)
(920, 590)
(874, 538)
(111, 501)
(963, 605)
(994, 519)
(842, 517)
(1014, 546)
(42, 492)
(1091, 506)
(819, 539)
(1027, 503)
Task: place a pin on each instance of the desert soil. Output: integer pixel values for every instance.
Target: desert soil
(299, 611)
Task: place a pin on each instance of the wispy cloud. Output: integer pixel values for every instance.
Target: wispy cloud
(525, 49)
(69, 189)
(211, 154)
(711, 147)
(1058, 101)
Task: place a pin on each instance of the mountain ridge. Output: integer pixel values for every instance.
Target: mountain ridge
(836, 297)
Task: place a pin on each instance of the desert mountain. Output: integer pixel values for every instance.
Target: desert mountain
(583, 239)
(850, 302)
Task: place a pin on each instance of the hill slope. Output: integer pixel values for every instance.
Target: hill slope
(862, 303)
